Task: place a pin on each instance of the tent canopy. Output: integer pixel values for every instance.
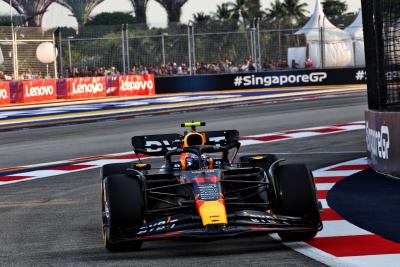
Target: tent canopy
(356, 28)
(327, 45)
(318, 19)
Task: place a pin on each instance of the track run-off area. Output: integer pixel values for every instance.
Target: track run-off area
(57, 220)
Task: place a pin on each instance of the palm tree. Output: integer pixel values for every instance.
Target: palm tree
(140, 10)
(201, 18)
(295, 12)
(223, 12)
(81, 9)
(32, 11)
(173, 8)
(245, 10)
(277, 12)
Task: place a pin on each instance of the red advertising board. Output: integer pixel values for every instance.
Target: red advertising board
(37, 91)
(135, 85)
(86, 87)
(5, 93)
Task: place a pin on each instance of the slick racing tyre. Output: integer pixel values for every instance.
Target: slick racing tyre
(122, 207)
(263, 161)
(115, 168)
(297, 197)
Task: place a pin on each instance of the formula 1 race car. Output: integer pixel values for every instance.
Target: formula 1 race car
(200, 193)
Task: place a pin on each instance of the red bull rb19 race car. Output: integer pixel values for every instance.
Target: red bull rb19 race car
(200, 193)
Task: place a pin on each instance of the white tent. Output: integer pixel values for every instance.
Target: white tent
(356, 31)
(336, 47)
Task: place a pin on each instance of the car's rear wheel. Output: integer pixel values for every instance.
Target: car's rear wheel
(115, 168)
(122, 207)
(297, 198)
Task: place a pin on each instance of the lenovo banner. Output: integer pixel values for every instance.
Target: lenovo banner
(135, 85)
(87, 87)
(5, 93)
(37, 91)
(383, 142)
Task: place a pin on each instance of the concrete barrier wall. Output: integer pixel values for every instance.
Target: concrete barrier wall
(271, 79)
(383, 141)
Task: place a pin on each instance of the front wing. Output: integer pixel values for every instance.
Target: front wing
(245, 222)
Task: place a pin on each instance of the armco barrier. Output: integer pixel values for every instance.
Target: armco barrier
(272, 79)
(5, 97)
(383, 142)
(34, 91)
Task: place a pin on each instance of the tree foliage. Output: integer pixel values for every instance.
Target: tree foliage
(295, 11)
(334, 8)
(222, 13)
(245, 10)
(115, 18)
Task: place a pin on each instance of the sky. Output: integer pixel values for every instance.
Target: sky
(156, 15)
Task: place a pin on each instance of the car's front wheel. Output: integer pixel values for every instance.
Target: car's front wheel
(297, 198)
(122, 207)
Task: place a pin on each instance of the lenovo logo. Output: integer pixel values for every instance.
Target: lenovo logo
(136, 85)
(39, 91)
(3, 94)
(91, 88)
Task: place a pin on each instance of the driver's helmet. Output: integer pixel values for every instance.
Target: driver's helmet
(191, 161)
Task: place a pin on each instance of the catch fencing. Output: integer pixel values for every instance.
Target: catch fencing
(180, 49)
(18, 53)
(189, 49)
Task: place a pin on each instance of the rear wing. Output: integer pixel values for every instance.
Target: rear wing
(160, 144)
(155, 145)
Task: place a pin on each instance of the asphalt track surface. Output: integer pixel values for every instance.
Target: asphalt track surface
(56, 221)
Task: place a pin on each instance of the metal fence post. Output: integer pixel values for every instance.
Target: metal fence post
(55, 56)
(259, 67)
(14, 45)
(16, 67)
(189, 51)
(250, 30)
(60, 52)
(123, 49)
(353, 41)
(279, 40)
(255, 48)
(194, 51)
(163, 46)
(69, 53)
(321, 47)
(127, 48)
